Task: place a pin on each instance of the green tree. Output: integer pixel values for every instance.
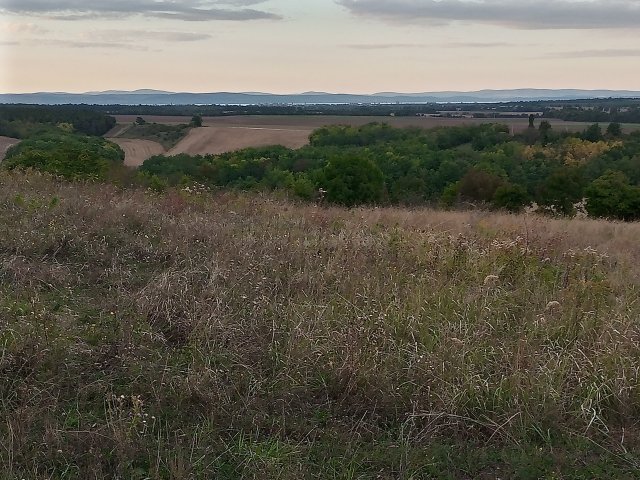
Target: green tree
(562, 189)
(196, 121)
(545, 131)
(511, 197)
(611, 196)
(593, 133)
(352, 180)
(614, 130)
(479, 185)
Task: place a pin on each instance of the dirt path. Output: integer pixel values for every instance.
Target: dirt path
(137, 151)
(215, 140)
(118, 130)
(5, 144)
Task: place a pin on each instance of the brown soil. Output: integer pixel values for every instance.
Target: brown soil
(5, 144)
(137, 151)
(215, 140)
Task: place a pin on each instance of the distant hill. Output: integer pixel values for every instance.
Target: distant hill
(156, 97)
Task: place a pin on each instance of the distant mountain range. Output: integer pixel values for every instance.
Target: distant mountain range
(157, 97)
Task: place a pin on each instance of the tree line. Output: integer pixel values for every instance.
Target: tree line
(455, 167)
(24, 121)
(476, 165)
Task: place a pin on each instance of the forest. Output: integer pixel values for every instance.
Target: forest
(24, 121)
(468, 166)
(595, 172)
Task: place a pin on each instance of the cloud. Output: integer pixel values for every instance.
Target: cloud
(188, 10)
(387, 46)
(77, 44)
(606, 53)
(477, 44)
(383, 46)
(17, 28)
(138, 35)
(523, 14)
(96, 44)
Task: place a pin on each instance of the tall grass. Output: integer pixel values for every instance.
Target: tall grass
(240, 336)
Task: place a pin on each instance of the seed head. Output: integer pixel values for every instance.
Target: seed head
(491, 279)
(553, 305)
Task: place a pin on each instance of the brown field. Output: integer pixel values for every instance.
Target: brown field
(224, 134)
(215, 140)
(5, 144)
(137, 151)
(296, 122)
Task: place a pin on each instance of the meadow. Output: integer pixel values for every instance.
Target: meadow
(197, 335)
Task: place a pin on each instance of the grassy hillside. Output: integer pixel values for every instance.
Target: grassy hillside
(237, 336)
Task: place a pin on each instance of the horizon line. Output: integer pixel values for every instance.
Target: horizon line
(151, 91)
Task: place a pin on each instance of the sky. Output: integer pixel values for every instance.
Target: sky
(339, 46)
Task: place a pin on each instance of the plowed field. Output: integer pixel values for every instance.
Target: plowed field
(214, 140)
(137, 151)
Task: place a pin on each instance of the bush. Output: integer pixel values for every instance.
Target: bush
(68, 155)
(611, 196)
(352, 180)
(511, 197)
(478, 185)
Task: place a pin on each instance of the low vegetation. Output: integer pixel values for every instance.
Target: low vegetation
(193, 335)
(66, 154)
(166, 135)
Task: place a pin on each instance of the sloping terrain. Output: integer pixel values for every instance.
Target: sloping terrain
(5, 144)
(137, 151)
(215, 140)
(197, 336)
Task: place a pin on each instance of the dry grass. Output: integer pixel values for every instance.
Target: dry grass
(238, 336)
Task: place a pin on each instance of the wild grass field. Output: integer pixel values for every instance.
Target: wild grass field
(194, 335)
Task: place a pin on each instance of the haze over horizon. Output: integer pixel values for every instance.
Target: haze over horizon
(337, 46)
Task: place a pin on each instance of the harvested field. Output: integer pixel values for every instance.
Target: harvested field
(312, 121)
(215, 140)
(5, 144)
(137, 151)
(224, 134)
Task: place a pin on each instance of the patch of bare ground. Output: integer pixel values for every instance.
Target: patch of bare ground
(215, 140)
(137, 151)
(5, 144)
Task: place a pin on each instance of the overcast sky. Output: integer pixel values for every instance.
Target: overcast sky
(290, 46)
